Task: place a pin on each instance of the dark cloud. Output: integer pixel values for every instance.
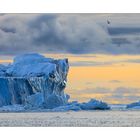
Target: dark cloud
(123, 30)
(69, 36)
(48, 33)
(66, 33)
(8, 30)
(120, 41)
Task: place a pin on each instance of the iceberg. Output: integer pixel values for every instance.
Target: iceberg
(93, 104)
(32, 75)
(135, 105)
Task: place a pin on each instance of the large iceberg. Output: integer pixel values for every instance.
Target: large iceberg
(34, 82)
(31, 75)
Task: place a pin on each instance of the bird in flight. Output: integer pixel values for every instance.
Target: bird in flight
(108, 22)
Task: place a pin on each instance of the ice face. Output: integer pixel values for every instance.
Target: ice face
(14, 90)
(31, 74)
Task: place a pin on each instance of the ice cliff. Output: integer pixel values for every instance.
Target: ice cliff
(31, 74)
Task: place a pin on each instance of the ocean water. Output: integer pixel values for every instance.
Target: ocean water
(76, 119)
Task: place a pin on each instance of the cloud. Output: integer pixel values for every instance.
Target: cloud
(123, 30)
(49, 33)
(119, 94)
(118, 90)
(120, 41)
(89, 83)
(8, 30)
(133, 61)
(69, 33)
(121, 90)
(100, 90)
(104, 63)
(90, 63)
(114, 81)
(97, 90)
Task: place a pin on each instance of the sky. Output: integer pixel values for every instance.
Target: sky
(103, 50)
